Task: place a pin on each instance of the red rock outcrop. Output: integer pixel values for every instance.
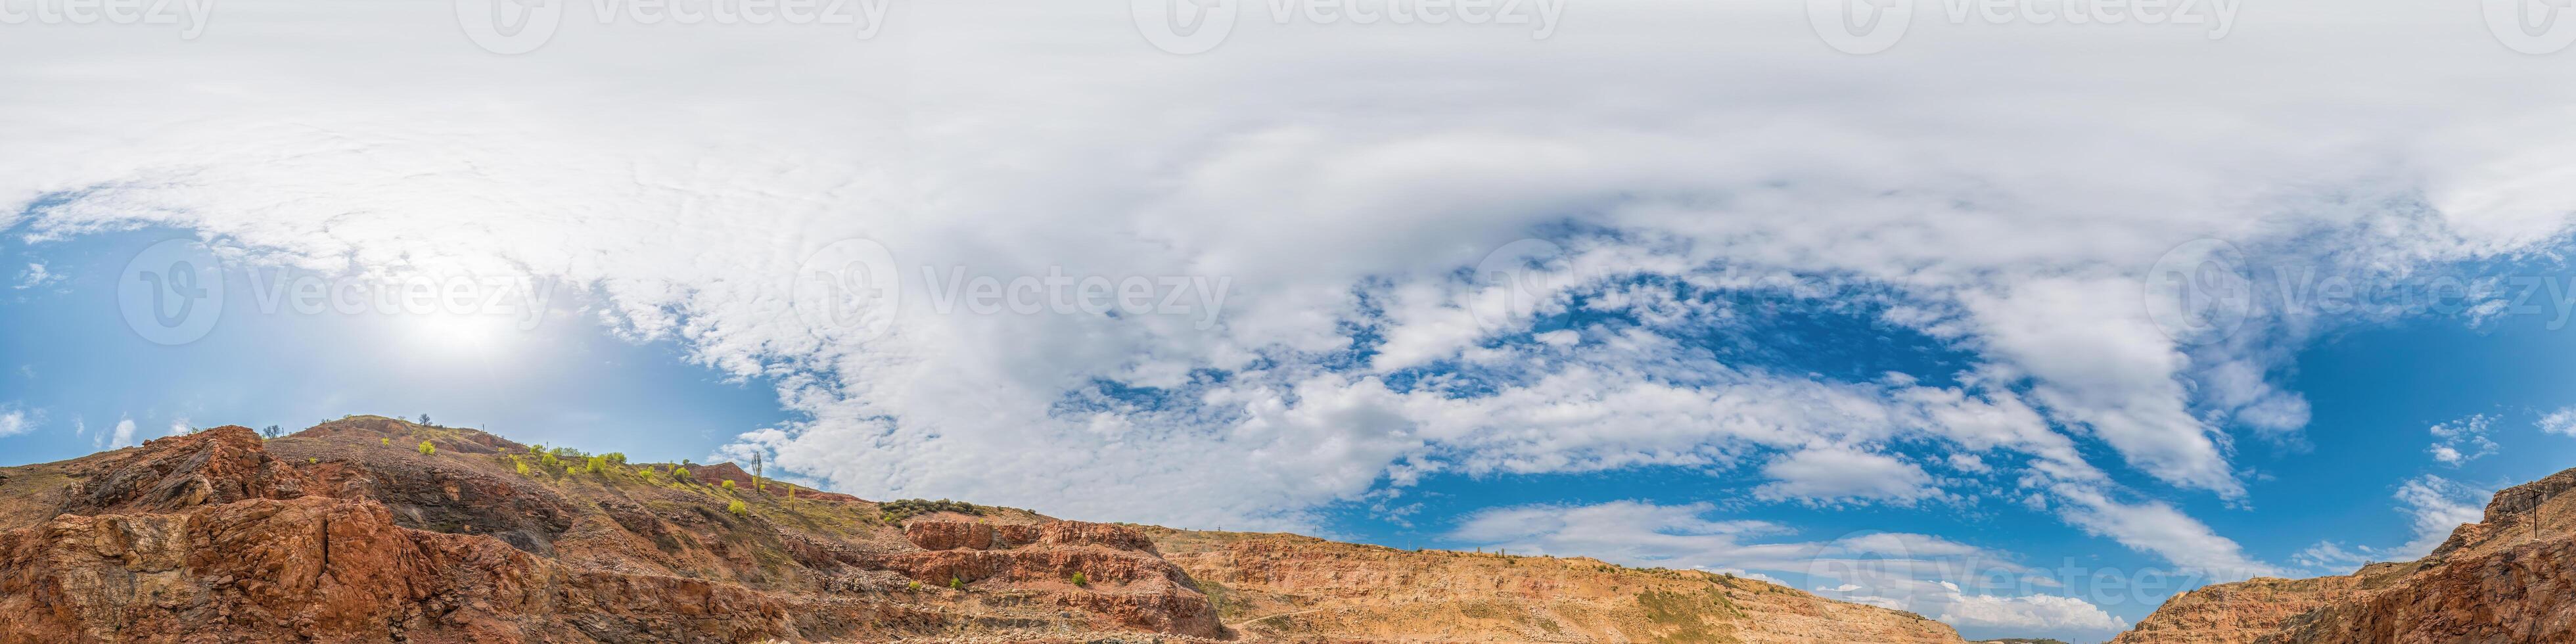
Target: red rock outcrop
(2508, 579)
(1124, 580)
(219, 465)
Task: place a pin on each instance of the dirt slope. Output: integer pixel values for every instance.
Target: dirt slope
(1296, 588)
(349, 532)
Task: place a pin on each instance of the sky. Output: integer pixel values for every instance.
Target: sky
(2019, 315)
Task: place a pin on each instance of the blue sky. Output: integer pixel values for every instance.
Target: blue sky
(2019, 326)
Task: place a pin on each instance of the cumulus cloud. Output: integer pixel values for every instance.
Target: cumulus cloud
(121, 436)
(687, 202)
(2463, 440)
(2158, 528)
(2561, 422)
(15, 420)
(36, 275)
(1836, 474)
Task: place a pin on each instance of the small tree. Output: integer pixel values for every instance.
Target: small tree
(427, 449)
(1080, 580)
(272, 432)
(681, 474)
(738, 508)
(424, 419)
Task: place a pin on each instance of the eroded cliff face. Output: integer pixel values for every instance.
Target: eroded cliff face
(2508, 579)
(348, 533)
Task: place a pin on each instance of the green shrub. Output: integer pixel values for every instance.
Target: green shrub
(1080, 580)
(916, 586)
(738, 508)
(728, 484)
(956, 584)
(427, 449)
(388, 442)
(522, 466)
(908, 508)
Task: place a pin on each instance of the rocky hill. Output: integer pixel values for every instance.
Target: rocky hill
(2506, 579)
(373, 529)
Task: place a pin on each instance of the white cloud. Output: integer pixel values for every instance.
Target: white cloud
(122, 436)
(1834, 474)
(2436, 506)
(2463, 440)
(2561, 422)
(2031, 612)
(35, 276)
(15, 420)
(2156, 527)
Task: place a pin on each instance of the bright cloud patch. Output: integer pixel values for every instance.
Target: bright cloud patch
(2464, 440)
(15, 420)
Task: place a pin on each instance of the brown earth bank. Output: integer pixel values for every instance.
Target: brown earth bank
(372, 529)
(2508, 579)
